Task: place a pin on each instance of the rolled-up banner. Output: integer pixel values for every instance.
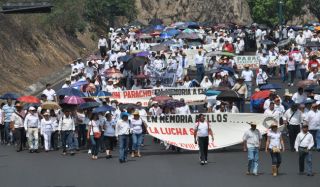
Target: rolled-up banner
(227, 128)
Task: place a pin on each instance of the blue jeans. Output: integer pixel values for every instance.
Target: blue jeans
(136, 141)
(7, 137)
(305, 157)
(276, 158)
(94, 145)
(318, 139)
(303, 74)
(253, 158)
(283, 72)
(200, 72)
(249, 86)
(123, 147)
(67, 140)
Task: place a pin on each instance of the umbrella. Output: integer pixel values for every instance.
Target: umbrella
(128, 105)
(173, 32)
(173, 103)
(176, 24)
(79, 83)
(220, 53)
(141, 76)
(191, 36)
(228, 69)
(159, 47)
(189, 31)
(145, 36)
(284, 43)
(28, 105)
(143, 54)
(161, 99)
(103, 109)
(103, 94)
(261, 94)
(115, 75)
(316, 90)
(29, 99)
(212, 92)
(89, 105)
(73, 100)
(165, 35)
(155, 21)
(267, 42)
(125, 58)
(305, 83)
(312, 44)
(271, 86)
(111, 71)
(135, 63)
(158, 27)
(229, 95)
(310, 88)
(50, 106)
(168, 42)
(10, 95)
(70, 92)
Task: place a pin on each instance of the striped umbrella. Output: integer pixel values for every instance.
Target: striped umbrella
(73, 100)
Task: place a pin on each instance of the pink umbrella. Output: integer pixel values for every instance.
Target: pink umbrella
(73, 100)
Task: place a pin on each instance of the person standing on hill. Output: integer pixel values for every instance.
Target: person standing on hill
(102, 46)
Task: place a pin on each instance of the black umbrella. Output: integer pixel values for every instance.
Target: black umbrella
(229, 95)
(267, 42)
(316, 90)
(135, 63)
(156, 22)
(10, 95)
(284, 43)
(312, 44)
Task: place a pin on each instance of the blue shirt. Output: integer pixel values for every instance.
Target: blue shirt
(7, 112)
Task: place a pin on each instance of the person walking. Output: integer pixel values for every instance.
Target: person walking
(32, 125)
(102, 46)
(137, 136)
(202, 130)
(47, 128)
(275, 145)
(109, 134)
(122, 132)
(303, 145)
(251, 143)
(94, 134)
(199, 60)
(66, 128)
(248, 76)
(17, 120)
(312, 119)
(7, 110)
(292, 118)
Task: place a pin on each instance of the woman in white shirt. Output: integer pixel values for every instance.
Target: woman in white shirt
(275, 145)
(202, 130)
(137, 135)
(109, 134)
(47, 127)
(94, 134)
(206, 83)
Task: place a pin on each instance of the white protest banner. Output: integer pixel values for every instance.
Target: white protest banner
(228, 129)
(252, 61)
(190, 95)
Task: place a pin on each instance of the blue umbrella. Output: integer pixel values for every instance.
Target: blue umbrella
(158, 27)
(212, 92)
(143, 54)
(103, 94)
(125, 58)
(89, 105)
(10, 95)
(79, 83)
(271, 86)
(70, 92)
(168, 42)
(173, 32)
(28, 105)
(103, 109)
(228, 69)
(165, 35)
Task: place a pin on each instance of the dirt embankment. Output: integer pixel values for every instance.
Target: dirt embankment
(29, 52)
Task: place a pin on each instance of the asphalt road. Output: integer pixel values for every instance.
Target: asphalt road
(157, 167)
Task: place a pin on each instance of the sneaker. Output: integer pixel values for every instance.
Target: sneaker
(132, 155)
(206, 162)
(248, 173)
(255, 174)
(291, 84)
(72, 153)
(89, 151)
(202, 163)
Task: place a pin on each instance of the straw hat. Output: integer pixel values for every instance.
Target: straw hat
(136, 113)
(252, 123)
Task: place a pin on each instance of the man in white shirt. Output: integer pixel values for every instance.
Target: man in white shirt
(89, 70)
(303, 145)
(271, 112)
(251, 143)
(312, 119)
(67, 128)
(301, 41)
(18, 130)
(199, 60)
(299, 97)
(258, 36)
(67, 83)
(50, 93)
(183, 109)
(32, 125)
(291, 34)
(239, 47)
(102, 46)
(247, 74)
(183, 63)
(293, 119)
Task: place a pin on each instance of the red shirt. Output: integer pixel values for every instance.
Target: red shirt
(313, 64)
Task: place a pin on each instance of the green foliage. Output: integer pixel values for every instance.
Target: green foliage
(267, 11)
(314, 7)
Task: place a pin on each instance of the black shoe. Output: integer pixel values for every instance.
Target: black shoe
(37, 151)
(72, 153)
(18, 150)
(121, 161)
(301, 173)
(30, 151)
(310, 174)
(202, 163)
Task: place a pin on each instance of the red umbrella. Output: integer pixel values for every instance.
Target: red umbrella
(305, 83)
(29, 99)
(161, 99)
(112, 70)
(73, 100)
(261, 94)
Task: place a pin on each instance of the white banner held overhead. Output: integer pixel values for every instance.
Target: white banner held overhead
(252, 61)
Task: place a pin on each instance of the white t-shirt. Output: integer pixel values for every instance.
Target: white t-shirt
(183, 110)
(50, 94)
(136, 126)
(253, 138)
(94, 126)
(247, 75)
(297, 98)
(110, 128)
(275, 138)
(202, 129)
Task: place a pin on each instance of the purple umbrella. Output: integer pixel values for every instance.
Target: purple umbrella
(73, 100)
(143, 53)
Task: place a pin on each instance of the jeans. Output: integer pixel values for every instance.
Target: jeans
(82, 135)
(203, 147)
(276, 158)
(2, 133)
(33, 138)
(283, 72)
(292, 75)
(316, 137)
(67, 140)
(200, 72)
(305, 157)
(123, 147)
(7, 137)
(94, 145)
(55, 140)
(20, 138)
(136, 141)
(303, 74)
(253, 158)
(293, 131)
(249, 86)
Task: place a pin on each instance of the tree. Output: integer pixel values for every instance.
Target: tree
(314, 7)
(267, 11)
